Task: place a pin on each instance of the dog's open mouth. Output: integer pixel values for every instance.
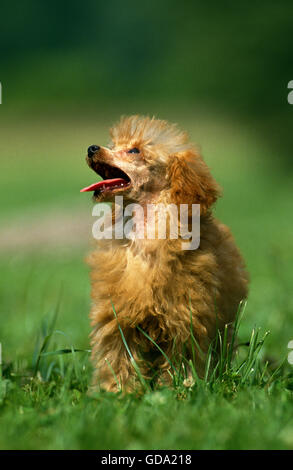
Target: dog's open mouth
(114, 179)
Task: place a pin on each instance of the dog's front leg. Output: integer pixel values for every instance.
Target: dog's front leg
(113, 369)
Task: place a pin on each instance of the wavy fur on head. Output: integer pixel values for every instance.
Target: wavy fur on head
(154, 284)
(150, 132)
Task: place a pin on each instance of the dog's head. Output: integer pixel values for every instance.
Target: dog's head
(149, 161)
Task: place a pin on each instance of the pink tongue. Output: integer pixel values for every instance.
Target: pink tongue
(119, 182)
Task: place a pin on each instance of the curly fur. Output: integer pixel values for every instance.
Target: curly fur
(154, 284)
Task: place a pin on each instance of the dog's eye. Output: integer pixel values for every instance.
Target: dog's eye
(134, 150)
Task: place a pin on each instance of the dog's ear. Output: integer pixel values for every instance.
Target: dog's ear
(191, 181)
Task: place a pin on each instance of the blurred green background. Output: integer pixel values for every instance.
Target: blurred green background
(68, 70)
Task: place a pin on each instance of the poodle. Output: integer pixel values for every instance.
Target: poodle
(152, 295)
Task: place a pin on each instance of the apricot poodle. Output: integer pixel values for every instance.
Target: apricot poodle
(154, 286)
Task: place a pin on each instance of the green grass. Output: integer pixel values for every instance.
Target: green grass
(246, 404)
(45, 300)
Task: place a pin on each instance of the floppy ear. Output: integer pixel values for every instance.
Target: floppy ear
(191, 181)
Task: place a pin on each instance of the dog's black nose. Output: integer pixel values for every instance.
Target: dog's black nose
(92, 150)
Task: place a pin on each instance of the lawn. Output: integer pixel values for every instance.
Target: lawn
(45, 300)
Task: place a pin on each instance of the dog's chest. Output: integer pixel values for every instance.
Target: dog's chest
(133, 274)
